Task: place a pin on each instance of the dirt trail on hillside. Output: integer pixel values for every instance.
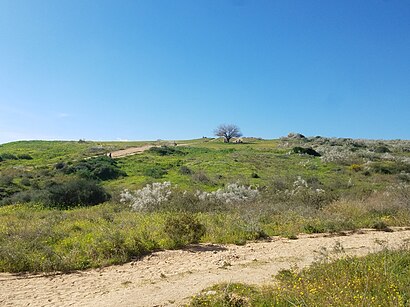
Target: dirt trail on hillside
(130, 151)
(169, 278)
(135, 150)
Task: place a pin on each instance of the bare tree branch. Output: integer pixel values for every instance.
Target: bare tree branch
(227, 132)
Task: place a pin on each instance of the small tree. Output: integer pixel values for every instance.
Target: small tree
(228, 132)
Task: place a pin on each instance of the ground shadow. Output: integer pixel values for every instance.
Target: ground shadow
(196, 248)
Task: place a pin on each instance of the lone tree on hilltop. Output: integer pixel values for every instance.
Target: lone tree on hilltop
(228, 132)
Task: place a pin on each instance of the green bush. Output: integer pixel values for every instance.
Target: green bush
(6, 180)
(98, 168)
(201, 177)
(25, 157)
(25, 196)
(254, 175)
(60, 165)
(390, 167)
(183, 229)
(76, 192)
(382, 226)
(25, 181)
(381, 149)
(307, 151)
(184, 170)
(156, 172)
(8, 156)
(165, 151)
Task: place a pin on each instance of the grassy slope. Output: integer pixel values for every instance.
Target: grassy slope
(38, 239)
(48, 152)
(218, 163)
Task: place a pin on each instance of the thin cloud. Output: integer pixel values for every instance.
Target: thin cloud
(63, 115)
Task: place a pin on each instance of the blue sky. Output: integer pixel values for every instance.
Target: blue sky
(147, 70)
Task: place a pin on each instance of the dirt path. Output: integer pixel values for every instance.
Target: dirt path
(169, 278)
(134, 150)
(130, 151)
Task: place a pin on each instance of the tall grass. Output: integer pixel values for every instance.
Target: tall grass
(34, 238)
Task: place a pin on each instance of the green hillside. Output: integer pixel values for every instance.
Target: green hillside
(346, 166)
(67, 205)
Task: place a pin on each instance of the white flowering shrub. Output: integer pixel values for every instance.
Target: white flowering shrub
(299, 185)
(401, 193)
(405, 160)
(336, 154)
(148, 198)
(232, 193)
(301, 193)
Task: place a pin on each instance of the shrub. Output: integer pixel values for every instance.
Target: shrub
(60, 165)
(98, 168)
(201, 177)
(403, 176)
(390, 167)
(185, 170)
(25, 157)
(401, 194)
(25, 181)
(76, 192)
(302, 193)
(232, 193)
(20, 197)
(382, 149)
(165, 151)
(183, 229)
(149, 198)
(306, 151)
(255, 175)
(156, 172)
(107, 172)
(8, 156)
(356, 167)
(338, 154)
(382, 226)
(6, 180)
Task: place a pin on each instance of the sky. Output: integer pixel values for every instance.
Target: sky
(160, 69)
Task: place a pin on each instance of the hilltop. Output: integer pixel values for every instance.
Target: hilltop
(346, 166)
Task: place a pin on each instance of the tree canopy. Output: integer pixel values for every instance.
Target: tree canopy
(228, 132)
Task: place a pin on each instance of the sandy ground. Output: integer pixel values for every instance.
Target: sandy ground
(135, 150)
(130, 151)
(169, 278)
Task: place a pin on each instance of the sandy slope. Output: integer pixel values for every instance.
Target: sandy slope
(170, 277)
(130, 151)
(136, 150)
